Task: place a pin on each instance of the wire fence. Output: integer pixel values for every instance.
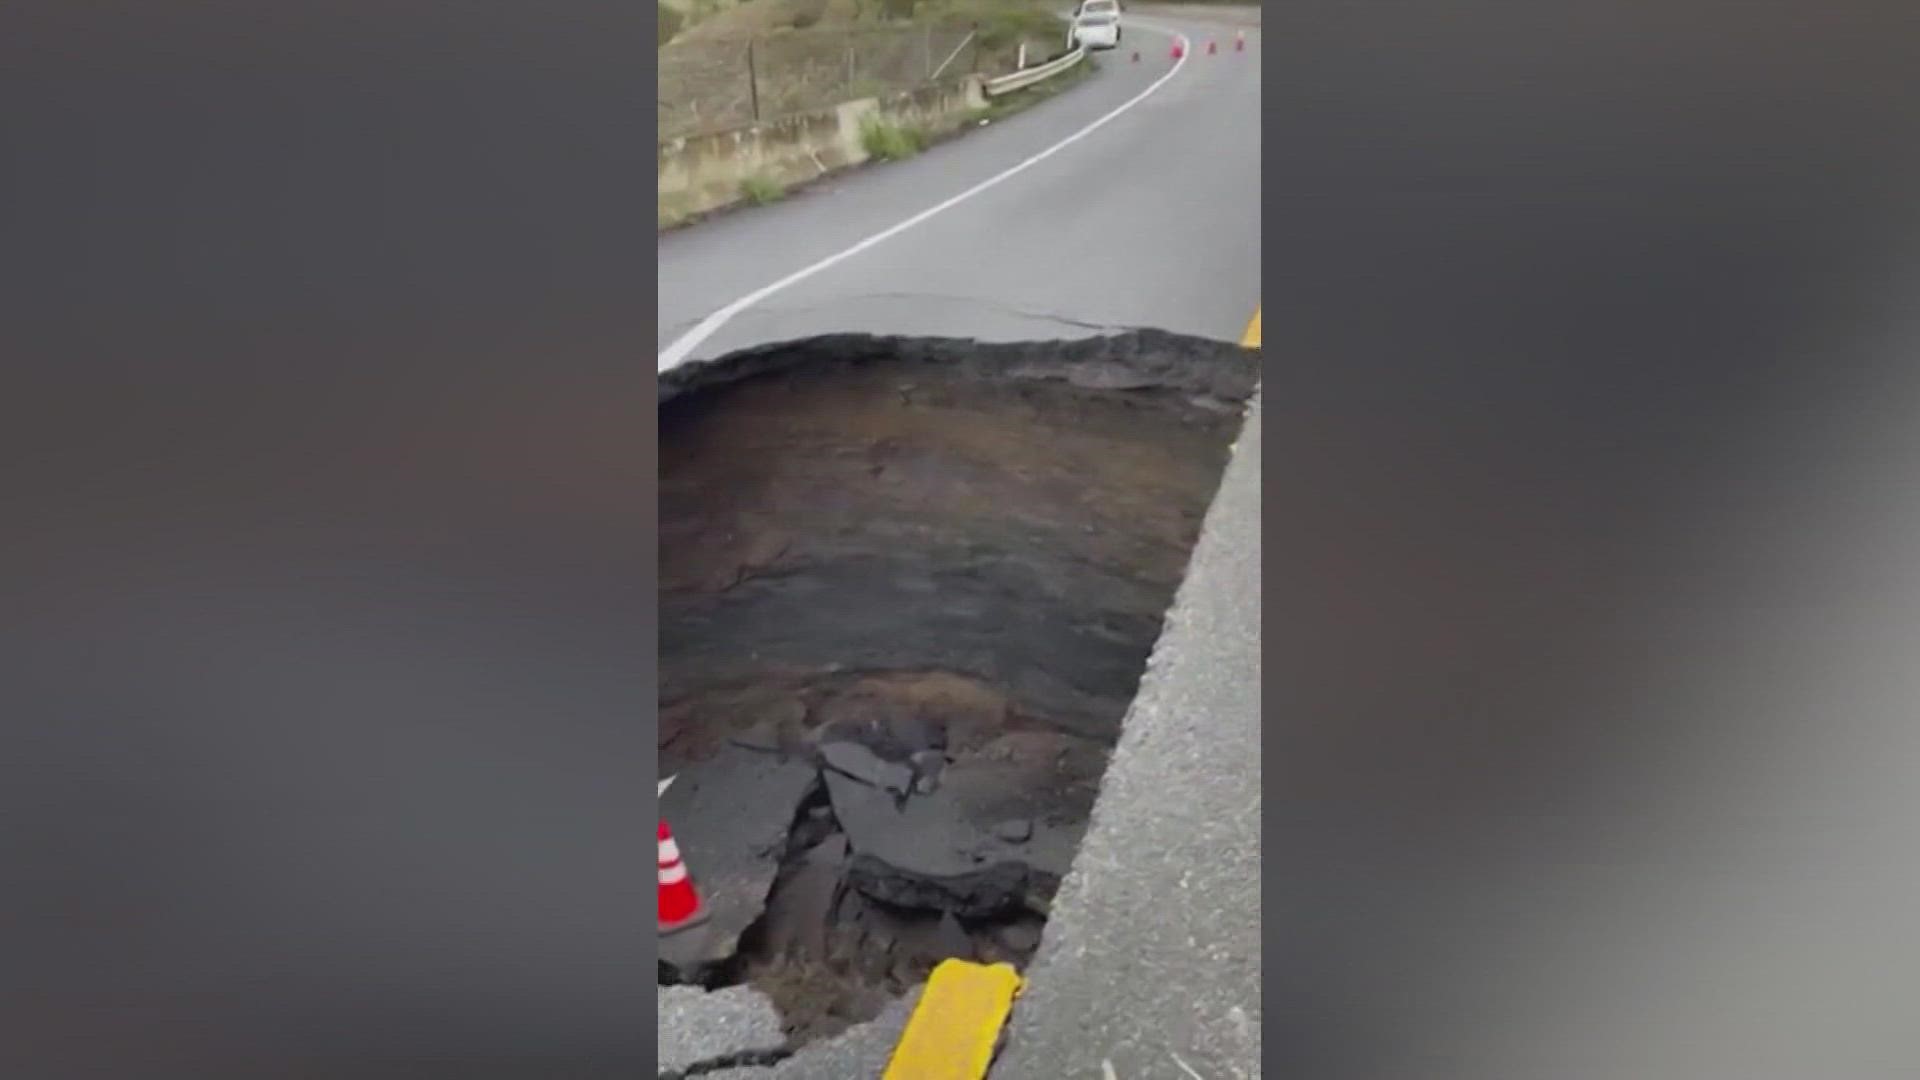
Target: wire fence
(717, 84)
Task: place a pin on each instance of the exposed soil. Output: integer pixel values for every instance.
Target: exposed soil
(934, 570)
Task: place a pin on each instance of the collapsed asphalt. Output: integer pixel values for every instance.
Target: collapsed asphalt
(908, 588)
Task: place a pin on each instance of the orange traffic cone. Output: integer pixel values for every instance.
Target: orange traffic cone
(1179, 49)
(1239, 41)
(680, 906)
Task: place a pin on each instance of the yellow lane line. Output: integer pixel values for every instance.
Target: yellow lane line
(1251, 339)
(955, 1029)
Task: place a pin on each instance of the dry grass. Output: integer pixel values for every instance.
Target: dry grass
(800, 55)
(761, 190)
(886, 141)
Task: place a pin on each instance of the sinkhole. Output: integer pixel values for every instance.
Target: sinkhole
(908, 588)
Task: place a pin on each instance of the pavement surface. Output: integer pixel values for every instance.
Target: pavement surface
(857, 1054)
(1152, 220)
(733, 1024)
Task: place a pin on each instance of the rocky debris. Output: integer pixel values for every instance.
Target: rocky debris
(699, 1028)
(927, 765)
(731, 815)
(1019, 937)
(1108, 375)
(993, 891)
(952, 939)
(843, 934)
(1161, 359)
(843, 877)
(904, 714)
(802, 907)
(769, 719)
(1054, 758)
(852, 760)
(764, 736)
(893, 738)
(947, 850)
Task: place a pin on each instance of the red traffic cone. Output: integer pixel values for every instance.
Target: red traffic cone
(1213, 47)
(680, 906)
(1239, 41)
(1179, 49)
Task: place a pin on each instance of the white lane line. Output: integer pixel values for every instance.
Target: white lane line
(682, 347)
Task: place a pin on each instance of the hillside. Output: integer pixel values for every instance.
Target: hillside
(1001, 21)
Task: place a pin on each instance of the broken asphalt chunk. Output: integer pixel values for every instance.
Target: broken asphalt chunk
(730, 815)
(1014, 830)
(856, 761)
(942, 852)
(990, 892)
(697, 1027)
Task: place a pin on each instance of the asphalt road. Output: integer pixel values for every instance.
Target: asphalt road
(1151, 220)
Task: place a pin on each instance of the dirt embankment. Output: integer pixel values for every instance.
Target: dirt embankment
(916, 583)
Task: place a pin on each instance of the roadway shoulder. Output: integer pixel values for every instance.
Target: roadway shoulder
(1151, 962)
(857, 1054)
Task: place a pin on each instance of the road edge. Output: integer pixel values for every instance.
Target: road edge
(997, 109)
(681, 348)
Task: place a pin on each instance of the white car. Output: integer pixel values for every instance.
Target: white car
(1096, 25)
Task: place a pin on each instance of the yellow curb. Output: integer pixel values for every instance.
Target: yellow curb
(1251, 339)
(956, 1027)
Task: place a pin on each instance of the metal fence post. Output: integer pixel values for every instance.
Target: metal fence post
(964, 42)
(753, 82)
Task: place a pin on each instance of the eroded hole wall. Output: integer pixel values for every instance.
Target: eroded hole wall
(907, 592)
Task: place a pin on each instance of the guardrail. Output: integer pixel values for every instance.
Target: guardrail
(1020, 80)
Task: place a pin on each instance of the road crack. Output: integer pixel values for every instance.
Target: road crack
(746, 1059)
(976, 301)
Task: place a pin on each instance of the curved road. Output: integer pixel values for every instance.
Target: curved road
(1152, 220)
